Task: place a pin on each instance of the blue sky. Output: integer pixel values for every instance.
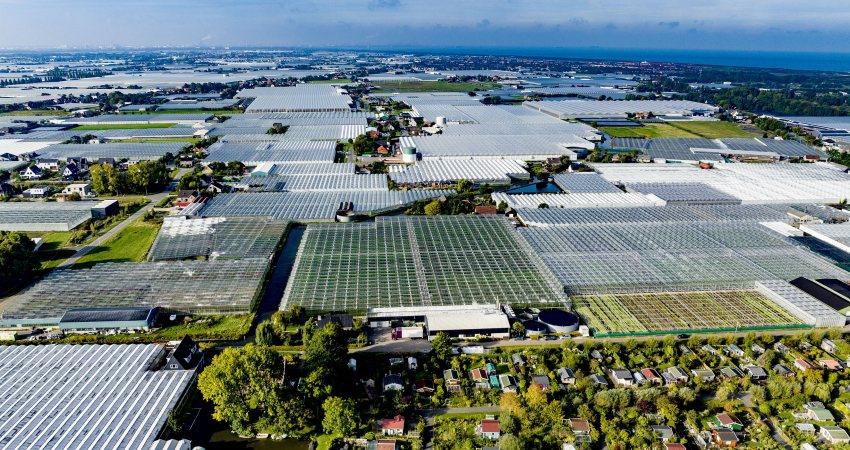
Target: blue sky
(815, 25)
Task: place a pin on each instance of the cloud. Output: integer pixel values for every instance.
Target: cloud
(484, 23)
(670, 25)
(383, 4)
(206, 38)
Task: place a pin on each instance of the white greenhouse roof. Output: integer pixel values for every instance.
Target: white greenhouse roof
(85, 396)
(274, 152)
(534, 147)
(302, 97)
(809, 309)
(568, 109)
(584, 182)
(430, 171)
(577, 200)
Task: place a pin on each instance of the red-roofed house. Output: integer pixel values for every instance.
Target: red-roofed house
(489, 429)
(652, 375)
(393, 427)
(674, 446)
(830, 364)
(802, 364)
(382, 150)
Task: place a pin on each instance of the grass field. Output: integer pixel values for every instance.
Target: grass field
(709, 130)
(617, 314)
(713, 130)
(431, 86)
(187, 140)
(129, 245)
(650, 130)
(333, 81)
(124, 126)
(52, 253)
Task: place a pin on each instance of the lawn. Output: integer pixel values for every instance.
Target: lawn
(52, 253)
(649, 130)
(227, 327)
(713, 130)
(431, 86)
(129, 245)
(124, 126)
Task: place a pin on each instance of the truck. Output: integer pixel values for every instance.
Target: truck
(408, 333)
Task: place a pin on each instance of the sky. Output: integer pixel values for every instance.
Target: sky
(777, 25)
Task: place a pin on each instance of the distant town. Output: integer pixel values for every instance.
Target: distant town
(336, 249)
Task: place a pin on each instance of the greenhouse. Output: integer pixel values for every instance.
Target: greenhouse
(119, 151)
(312, 206)
(252, 154)
(221, 286)
(670, 312)
(314, 182)
(584, 182)
(684, 193)
(217, 237)
(580, 200)
(417, 261)
(44, 216)
(442, 172)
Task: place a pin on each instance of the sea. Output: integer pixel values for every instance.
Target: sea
(819, 61)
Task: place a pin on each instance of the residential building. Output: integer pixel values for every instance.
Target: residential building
(709, 349)
(489, 429)
(508, 383)
(541, 381)
(566, 376)
(581, 429)
(704, 375)
(393, 426)
(652, 376)
(37, 192)
(48, 164)
(424, 387)
(726, 438)
(830, 364)
(622, 377)
(802, 364)
(664, 432)
(784, 371)
(598, 380)
(727, 421)
(83, 189)
(734, 350)
(382, 444)
(731, 372)
(756, 373)
(675, 374)
(31, 173)
(452, 380)
(393, 382)
(828, 346)
(834, 435)
(517, 359)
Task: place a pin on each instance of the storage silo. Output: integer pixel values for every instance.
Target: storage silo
(558, 320)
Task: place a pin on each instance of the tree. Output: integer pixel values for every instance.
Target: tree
(441, 347)
(510, 442)
(265, 334)
(17, 258)
(433, 208)
(325, 355)
(104, 179)
(464, 186)
(340, 416)
(502, 207)
(518, 329)
(248, 391)
(543, 206)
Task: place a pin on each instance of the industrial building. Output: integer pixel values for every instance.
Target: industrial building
(299, 98)
(575, 109)
(52, 216)
(98, 319)
(87, 396)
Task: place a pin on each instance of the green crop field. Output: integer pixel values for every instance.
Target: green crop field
(130, 245)
(36, 112)
(124, 126)
(713, 130)
(431, 86)
(649, 130)
(617, 314)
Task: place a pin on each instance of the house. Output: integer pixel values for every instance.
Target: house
(830, 364)
(731, 372)
(412, 363)
(781, 348)
(596, 355)
(382, 444)
(37, 192)
(757, 349)
(494, 382)
(489, 429)
(185, 356)
(802, 364)
(517, 359)
(709, 349)
(805, 428)
(622, 377)
(452, 380)
(70, 171)
(107, 161)
(734, 350)
(31, 173)
(784, 371)
(8, 157)
(685, 350)
(393, 427)
(806, 345)
(727, 421)
(508, 383)
(756, 373)
(664, 432)
(834, 435)
(651, 375)
(639, 379)
(567, 376)
(541, 381)
(480, 376)
(393, 382)
(581, 429)
(725, 438)
(48, 164)
(395, 361)
(704, 375)
(598, 380)
(83, 189)
(674, 446)
(674, 375)
(486, 210)
(424, 387)
(828, 346)
(185, 197)
(817, 411)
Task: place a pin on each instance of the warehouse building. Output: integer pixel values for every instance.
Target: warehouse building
(96, 319)
(575, 109)
(88, 396)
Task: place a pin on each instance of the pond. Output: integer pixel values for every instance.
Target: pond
(205, 432)
(540, 187)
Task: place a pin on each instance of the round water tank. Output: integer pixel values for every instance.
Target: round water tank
(558, 320)
(408, 155)
(440, 121)
(533, 327)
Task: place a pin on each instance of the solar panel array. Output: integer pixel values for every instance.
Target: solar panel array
(196, 287)
(441, 172)
(416, 261)
(44, 216)
(85, 396)
(216, 237)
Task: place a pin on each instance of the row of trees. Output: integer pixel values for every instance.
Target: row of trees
(140, 178)
(17, 259)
